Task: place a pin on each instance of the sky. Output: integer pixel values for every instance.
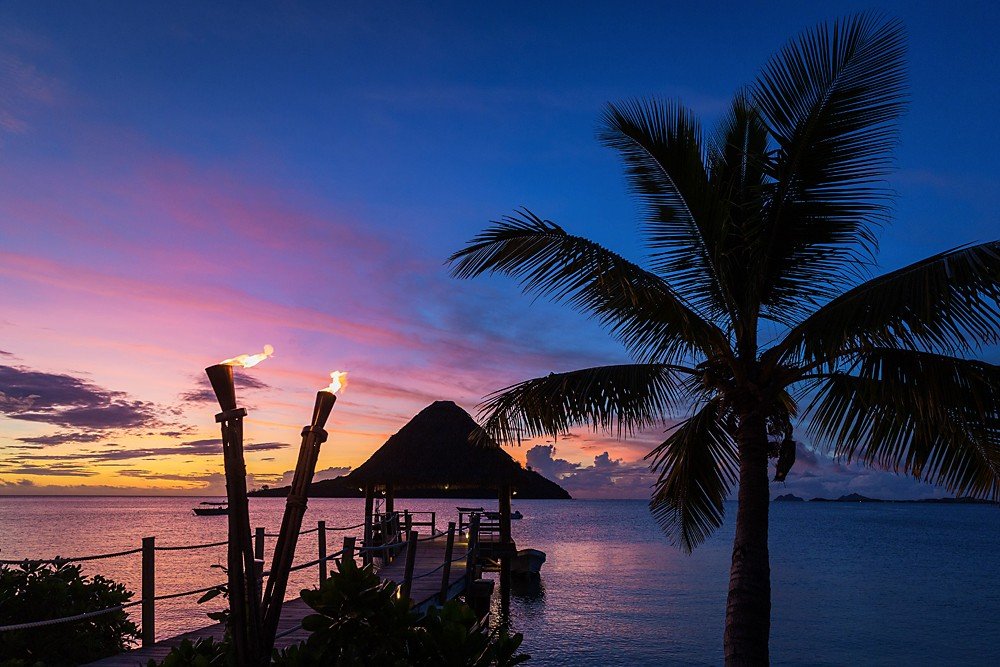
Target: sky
(183, 182)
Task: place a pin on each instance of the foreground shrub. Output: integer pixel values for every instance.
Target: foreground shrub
(35, 592)
(360, 621)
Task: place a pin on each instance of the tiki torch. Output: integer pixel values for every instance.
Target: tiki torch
(313, 436)
(244, 598)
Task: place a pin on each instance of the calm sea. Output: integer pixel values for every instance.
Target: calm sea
(853, 584)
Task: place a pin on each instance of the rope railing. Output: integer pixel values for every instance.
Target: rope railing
(31, 625)
(171, 596)
(77, 559)
(149, 548)
(185, 547)
(302, 566)
(432, 536)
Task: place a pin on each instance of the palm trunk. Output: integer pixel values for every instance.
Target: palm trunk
(748, 611)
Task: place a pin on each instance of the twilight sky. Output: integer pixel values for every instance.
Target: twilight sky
(184, 182)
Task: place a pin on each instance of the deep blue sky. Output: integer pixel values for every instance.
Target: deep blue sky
(334, 154)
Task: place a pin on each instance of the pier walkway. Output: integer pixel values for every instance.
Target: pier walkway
(427, 569)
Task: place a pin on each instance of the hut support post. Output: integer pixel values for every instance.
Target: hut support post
(148, 591)
(470, 561)
(449, 554)
(506, 548)
(369, 505)
(411, 557)
(390, 499)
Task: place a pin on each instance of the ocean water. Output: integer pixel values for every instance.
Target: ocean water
(853, 584)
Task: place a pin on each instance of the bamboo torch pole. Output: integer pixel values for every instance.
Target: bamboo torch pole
(244, 614)
(313, 436)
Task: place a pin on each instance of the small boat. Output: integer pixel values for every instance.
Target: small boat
(212, 509)
(495, 516)
(527, 563)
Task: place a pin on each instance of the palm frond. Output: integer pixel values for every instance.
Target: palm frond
(661, 145)
(638, 307)
(830, 100)
(949, 302)
(932, 416)
(697, 466)
(620, 398)
(738, 164)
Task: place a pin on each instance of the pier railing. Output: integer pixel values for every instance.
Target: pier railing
(397, 535)
(149, 598)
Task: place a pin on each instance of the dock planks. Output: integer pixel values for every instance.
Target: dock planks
(426, 587)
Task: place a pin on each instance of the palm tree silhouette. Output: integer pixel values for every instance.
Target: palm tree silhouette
(756, 313)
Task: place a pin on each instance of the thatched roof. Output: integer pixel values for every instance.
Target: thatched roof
(434, 449)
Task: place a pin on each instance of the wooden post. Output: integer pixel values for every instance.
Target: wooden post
(470, 561)
(411, 556)
(369, 506)
(258, 543)
(348, 549)
(506, 549)
(504, 498)
(321, 543)
(449, 553)
(390, 500)
(433, 522)
(148, 591)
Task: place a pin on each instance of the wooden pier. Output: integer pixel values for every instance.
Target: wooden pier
(430, 569)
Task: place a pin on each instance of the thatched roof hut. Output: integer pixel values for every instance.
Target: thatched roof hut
(442, 447)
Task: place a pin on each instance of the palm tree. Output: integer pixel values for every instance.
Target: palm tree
(756, 313)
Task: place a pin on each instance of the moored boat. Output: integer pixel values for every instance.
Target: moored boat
(527, 562)
(212, 509)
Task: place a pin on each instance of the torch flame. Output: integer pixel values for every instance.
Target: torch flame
(338, 380)
(249, 360)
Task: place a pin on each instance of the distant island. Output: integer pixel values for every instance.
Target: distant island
(858, 498)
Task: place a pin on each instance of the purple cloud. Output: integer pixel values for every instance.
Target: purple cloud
(71, 402)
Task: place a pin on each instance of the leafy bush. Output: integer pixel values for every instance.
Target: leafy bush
(360, 621)
(35, 592)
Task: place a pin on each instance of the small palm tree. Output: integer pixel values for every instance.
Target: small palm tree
(755, 314)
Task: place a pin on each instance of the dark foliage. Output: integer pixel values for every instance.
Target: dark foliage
(35, 592)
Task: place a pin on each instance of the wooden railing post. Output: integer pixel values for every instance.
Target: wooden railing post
(148, 591)
(348, 548)
(433, 522)
(369, 499)
(449, 553)
(411, 557)
(321, 543)
(258, 543)
(470, 561)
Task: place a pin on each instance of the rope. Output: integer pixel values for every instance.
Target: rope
(66, 619)
(171, 596)
(304, 532)
(432, 536)
(70, 560)
(317, 561)
(193, 546)
(391, 545)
